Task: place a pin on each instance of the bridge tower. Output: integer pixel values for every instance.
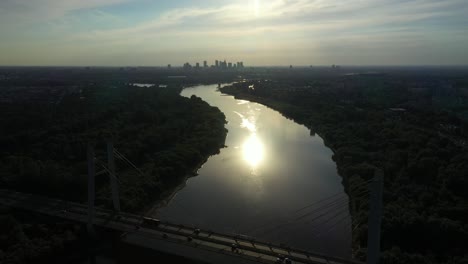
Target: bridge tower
(92, 178)
(375, 218)
(112, 175)
(91, 188)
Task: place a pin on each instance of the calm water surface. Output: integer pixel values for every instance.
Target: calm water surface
(271, 168)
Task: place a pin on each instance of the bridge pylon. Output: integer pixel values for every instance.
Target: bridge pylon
(375, 218)
(110, 169)
(112, 176)
(91, 188)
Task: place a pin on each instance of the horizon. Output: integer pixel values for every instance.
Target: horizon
(265, 33)
(246, 66)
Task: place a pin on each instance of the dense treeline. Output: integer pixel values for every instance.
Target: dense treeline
(66, 76)
(26, 239)
(44, 147)
(164, 134)
(421, 149)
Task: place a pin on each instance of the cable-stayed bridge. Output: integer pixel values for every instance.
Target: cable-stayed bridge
(189, 242)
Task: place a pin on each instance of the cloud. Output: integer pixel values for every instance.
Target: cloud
(25, 12)
(313, 18)
(294, 27)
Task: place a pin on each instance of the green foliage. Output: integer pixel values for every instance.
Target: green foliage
(426, 170)
(26, 239)
(164, 134)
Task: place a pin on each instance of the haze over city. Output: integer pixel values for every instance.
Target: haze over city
(259, 32)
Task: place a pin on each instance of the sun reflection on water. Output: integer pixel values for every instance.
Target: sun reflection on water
(253, 151)
(246, 123)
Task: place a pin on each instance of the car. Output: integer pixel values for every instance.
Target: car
(151, 222)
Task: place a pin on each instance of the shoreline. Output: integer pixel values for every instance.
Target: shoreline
(344, 180)
(168, 195)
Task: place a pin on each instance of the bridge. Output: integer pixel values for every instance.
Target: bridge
(190, 242)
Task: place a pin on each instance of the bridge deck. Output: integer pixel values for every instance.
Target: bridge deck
(167, 237)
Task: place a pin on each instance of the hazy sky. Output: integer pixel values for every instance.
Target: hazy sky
(258, 32)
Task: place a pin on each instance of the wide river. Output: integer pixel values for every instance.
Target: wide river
(270, 182)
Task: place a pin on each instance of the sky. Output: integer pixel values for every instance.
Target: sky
(258, 32)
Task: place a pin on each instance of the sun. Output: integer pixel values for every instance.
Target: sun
(255, 7)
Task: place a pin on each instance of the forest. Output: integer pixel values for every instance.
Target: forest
(44, 144)
(374, 122)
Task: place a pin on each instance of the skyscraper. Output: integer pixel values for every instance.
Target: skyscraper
(205, 64)
(217, 64)
(187, 66)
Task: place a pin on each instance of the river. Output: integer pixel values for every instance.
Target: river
(260, 184)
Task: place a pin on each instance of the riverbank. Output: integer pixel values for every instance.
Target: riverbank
(271, 168)
(165, 136)
(420, 200)
(168, 194)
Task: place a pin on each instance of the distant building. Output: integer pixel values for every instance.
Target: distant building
(187, 66)
(168, 66)
(197, 65)
(230, 65)
(217, 64)
(205, 64)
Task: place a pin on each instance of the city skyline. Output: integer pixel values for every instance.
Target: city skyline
(264, 33)
(223, 65)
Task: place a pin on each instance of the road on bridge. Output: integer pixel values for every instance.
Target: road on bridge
(190, 242)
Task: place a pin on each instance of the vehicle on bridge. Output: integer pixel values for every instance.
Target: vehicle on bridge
(150, 222)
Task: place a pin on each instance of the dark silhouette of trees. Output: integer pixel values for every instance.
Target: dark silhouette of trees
(426, 173)
(166, 135)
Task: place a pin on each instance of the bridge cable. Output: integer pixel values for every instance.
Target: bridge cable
(122, 157)
(333, 201)
(107, 169)
(332, 207)
(318, 225)
(290, 221)
(318, 202)
(324, 207)
(334, 198)
(125, 159)
(336, 215)
(342, 207)
(342, 201)
(355, 187)
(339, 206)
(330, 228)
(335, 224)
(361, 184)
